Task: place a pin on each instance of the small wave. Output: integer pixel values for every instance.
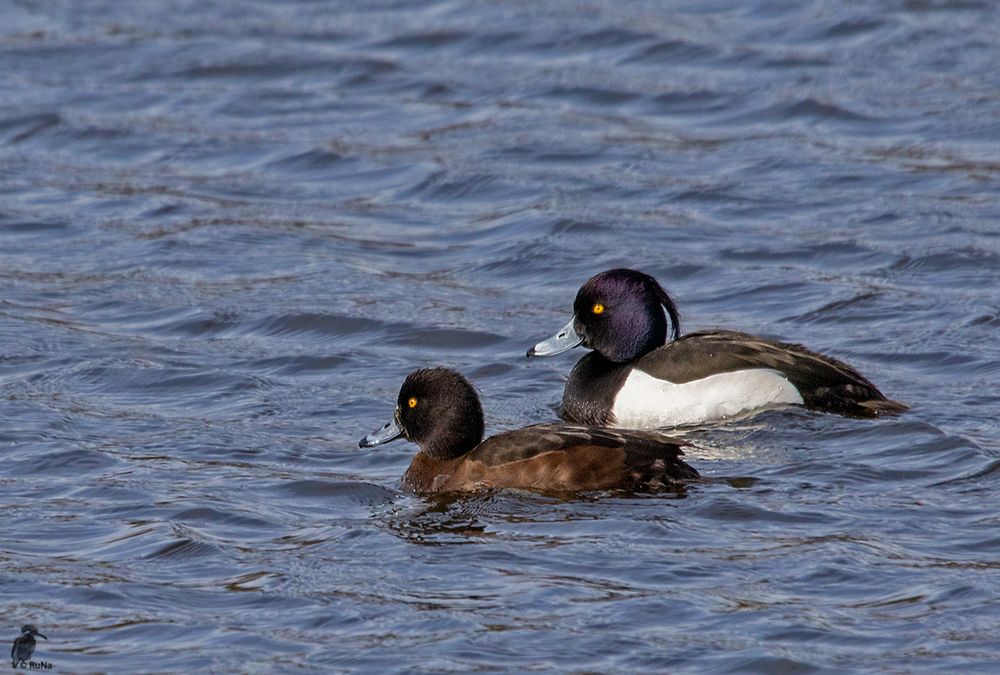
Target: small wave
(673, 53)
(72, 462)
(352, 491)
(14, 130)
(309, 161)
(424, 40)
(185, 549)
(591, 96)
(324, 326)
(440, 339)
(808, 109)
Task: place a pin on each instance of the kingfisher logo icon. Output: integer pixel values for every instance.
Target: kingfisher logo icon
(24, 648)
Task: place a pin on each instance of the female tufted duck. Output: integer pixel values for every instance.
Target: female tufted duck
(634, 378)
(439, 410)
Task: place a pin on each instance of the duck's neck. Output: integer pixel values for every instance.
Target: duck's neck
(427, 473)
(591, 390)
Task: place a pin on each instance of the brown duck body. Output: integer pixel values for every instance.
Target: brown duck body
(555, 458)
(439, 410)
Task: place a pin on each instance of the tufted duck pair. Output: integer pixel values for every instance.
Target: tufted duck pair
(634, 379)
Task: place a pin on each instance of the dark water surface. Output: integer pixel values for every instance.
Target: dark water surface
(228, 231)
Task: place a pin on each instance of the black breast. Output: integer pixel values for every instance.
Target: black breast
(591, 390)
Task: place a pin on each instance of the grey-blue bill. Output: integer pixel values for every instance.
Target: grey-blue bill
(563, 341)
(389, 432)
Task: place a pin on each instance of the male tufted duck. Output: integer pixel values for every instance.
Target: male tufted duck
(439, 410)
(634, 378)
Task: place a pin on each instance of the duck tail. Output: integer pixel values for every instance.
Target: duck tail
(878, 408)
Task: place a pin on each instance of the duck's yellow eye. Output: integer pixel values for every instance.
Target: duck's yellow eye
(598, 308)
(412, 402)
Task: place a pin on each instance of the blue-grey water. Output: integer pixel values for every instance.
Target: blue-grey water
(229, 230)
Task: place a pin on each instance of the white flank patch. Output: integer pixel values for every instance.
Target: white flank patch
(645, 402)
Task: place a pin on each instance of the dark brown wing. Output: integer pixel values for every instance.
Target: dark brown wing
(562, 457)
(824, 382)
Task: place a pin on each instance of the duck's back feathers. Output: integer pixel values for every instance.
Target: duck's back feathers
(823, 382)
(557, 458)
